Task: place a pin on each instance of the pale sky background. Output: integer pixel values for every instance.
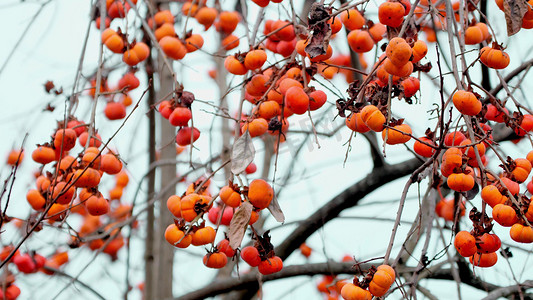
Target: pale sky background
(50, 51)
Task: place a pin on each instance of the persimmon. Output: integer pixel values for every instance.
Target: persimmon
(494, 114)
(355, 123)
(521, 234)
(194, 42)
(268, 109)
(270, 266)
(189, 9)
(128, 82)
(260, 193)
(317, 99)
(186, 136)
(229, 196)
(322, 57)
(15, 157)
(492, 196)
(398, 51)
(445, 209)
(381, 282)
(471, 150)
(173, 47)
(466, 103)
(352, 292)
(504, 215)
(63, 192)
(526, 125)
(115, 110)
(461, 182)
(86, 178)
(336, 24)
(167, 29)
(297, 100)
(284, 30)
(512, 186)
(215, 260)
(484, 260)
(228, 21)
(360, 41)
(410, 85)
(110, 164)
(35, 199)
(454, 138)
(399, 135)
(224, 247)
(352, 19)
(250, 255)
(494, 58)
(136, 54)
(422, 149)
(97, 205)
(287, 83)
(234, 66)
(206, 16)
(489, 243)
(94, 141)
(56, 212)
(192, 204)
(521, 171)
(420, 49)
(377, 31)
(473, 35)
(258, 85)
(65, 139)
(163, 17)
(391, 13)
(180, 116)
(465, 243)
(402, 71)
(256, 127)
(118, 9)
(373, 118)
(173, 235)
(113, 41)
(305, 250)
(203, 236)
(286, 48)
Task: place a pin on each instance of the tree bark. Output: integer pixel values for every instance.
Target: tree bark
(164, 252)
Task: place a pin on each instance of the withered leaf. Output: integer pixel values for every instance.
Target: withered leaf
(514, 13)
(242, 154)
(320, 30)
(238, 224)
(49, 85)
(471, 194)
(276, 211)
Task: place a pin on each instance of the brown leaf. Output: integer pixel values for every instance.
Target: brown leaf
(49, 85)
(320, 29)
(514, 14)
(238, 224)
(276, 211)
(243, 153)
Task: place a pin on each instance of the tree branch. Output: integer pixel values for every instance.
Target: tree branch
(346, 199)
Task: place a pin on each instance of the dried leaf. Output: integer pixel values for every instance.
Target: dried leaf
(321, 30)
(471, 194)
(49, 86)
(243, 153)
(238, 224)
(514, 14)
(276, 211)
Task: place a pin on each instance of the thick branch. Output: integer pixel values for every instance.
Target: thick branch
(348, 198)
(251, 280)
(511, 75)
